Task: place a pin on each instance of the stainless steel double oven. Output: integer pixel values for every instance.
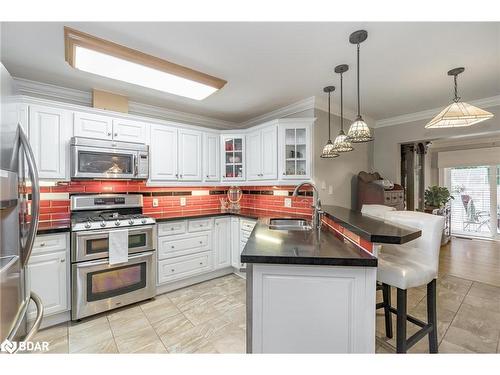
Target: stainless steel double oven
(98, 286)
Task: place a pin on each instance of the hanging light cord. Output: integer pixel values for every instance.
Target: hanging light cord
(341, 105)
(359, 111)
(457, 98)
(329, 115)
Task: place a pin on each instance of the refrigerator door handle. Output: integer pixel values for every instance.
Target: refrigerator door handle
(36, 324)
(35, 196)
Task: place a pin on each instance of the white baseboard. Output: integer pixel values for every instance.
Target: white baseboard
(52, 320)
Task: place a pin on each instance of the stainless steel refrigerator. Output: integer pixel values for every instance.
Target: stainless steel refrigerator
(18, 183)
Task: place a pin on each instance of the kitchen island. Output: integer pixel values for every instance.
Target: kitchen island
(314, 291)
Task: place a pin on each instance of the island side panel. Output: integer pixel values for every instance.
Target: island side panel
(313, 309)
(249, 305)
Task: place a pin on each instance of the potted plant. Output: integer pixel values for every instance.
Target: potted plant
(436, 197)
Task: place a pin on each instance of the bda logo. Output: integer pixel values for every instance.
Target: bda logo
(8, 346)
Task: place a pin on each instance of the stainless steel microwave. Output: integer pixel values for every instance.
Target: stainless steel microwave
(103, 159)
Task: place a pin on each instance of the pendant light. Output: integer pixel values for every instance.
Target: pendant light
(328, 152)
(341, 143)
(359, 131)
(458, 113)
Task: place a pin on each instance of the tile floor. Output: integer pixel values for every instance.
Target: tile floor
(210, 318)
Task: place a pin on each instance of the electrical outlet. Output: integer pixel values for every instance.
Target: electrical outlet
(330, 189)
(183, 201)
(323, 185)
(288, 202)
(155, 202)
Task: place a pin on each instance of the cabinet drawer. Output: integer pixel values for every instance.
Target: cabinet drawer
(185, 266)
(48, 243)
(199, 225)
(172, 227)
(244, 235)
(247, 225)
(174, 246)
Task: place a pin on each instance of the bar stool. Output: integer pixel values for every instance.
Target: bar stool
(376, 211)
(408, 266)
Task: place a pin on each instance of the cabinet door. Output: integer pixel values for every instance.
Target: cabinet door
(222, 242)
(295, 151)
(211, 158)
(269, 153)
(233, 157)
(49, 134)
(189, 155)
(254, 155)
(129, 131)
(235, 242)
(163, 153)
(93, 126)
(47, 276)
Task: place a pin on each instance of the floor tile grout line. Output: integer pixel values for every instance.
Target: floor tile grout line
(151, 324)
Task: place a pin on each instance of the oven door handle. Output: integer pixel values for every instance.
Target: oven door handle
(106, 261)
(132, 230)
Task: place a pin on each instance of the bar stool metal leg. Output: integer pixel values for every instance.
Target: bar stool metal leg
(386, 294)
(432, 316)
(401, 322)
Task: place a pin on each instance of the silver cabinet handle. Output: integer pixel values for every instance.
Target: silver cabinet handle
(172, 270)
(109, 134)
(177, 175)
(63, 260)
(42, 244)
(35, 195)
(201, 263)
(172, 247)
(115, 135)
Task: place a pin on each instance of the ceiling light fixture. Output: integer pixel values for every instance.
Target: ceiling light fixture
(328, 152)
(359, 131)
(458, 113)
(102, 57)
(341, 143)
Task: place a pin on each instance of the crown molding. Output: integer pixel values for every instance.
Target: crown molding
(493, 101)
(52, 92)
(300, 106)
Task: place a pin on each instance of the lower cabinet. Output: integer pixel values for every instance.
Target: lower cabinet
(222, 242)
(235, 242)
(185, 266)
(48, 273)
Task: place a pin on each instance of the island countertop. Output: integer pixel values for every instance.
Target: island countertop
(302, 247)
(370, 229)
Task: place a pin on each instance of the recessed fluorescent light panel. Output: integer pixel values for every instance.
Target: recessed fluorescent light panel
(97, 56)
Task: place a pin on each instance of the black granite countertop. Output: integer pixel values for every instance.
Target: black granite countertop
(244, 212)
(54, 226)
(370, 229)
(306, 248)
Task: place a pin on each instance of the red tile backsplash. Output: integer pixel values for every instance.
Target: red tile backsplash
(254, 197)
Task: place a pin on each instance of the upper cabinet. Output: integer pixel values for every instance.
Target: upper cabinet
(189, 155)
(262, 154)
(295, 158)
(233, 151)
(105, 127)
(49, 135)
(211, 157)
(163, 153)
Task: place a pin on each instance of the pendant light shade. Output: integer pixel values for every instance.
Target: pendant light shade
(341, 142)
(458, 113)
(328, 152)
(359, 131)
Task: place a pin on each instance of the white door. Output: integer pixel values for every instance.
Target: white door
(235, 242)
(189, 155)
(211, 158)
(129, 131)
(163, 153)
(93, 126)
(49, 134)
(269, 153)
(222, 242)
(47, 276)
(254, 155)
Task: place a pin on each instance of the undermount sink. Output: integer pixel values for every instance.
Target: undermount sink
(290, 224)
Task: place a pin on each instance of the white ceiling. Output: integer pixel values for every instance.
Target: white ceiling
(270, 65)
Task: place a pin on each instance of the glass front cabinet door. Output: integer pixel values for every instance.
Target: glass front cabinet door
(233, 154)
(295, 150)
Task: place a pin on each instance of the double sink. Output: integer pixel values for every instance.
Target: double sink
(301, 225)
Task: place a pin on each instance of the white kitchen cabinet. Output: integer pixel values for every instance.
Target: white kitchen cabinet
(211, 157)
(163, 153)
(189, 155)
(49, 135)
(262, 146)
(222, 242)
(233, 157)
(295, 158)
(129, 131)
(235, 242)
(48, 273)
(92, 125)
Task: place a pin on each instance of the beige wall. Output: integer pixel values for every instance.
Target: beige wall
(341, 172)
(386, 150)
